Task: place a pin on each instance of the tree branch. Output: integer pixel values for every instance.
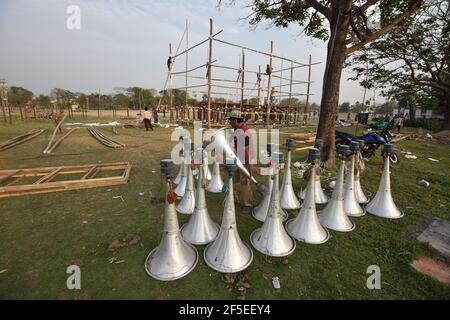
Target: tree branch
(368, 4)
(381, 32)
(326, 11)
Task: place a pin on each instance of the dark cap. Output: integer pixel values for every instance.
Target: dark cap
(166, 166)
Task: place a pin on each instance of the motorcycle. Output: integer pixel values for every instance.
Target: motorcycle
(372, 141)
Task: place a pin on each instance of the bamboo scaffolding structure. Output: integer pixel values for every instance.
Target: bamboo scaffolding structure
(198, 44)
(296, 67)
(259, 52)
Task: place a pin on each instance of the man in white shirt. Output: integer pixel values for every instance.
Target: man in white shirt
(147, 121)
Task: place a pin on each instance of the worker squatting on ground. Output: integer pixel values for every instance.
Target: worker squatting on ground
(244, 150)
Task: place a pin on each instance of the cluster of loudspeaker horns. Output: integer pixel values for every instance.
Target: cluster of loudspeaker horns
(225, 252)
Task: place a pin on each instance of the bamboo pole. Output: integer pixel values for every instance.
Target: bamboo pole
(307, 93)
(209, 71)
(187, 64)
(242, 79)
(290, 94)
(54, 134)
(98, 108)
(271, 55)
(269, 84)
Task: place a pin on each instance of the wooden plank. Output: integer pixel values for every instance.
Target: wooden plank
(48, 177)
(6, 177)
(401, 138)
(89, 173)
(14, 181)
(304, 148)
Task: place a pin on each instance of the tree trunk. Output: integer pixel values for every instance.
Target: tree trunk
(412, 111)
(331, 82)
(445, 106)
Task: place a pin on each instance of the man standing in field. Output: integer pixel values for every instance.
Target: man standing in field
(147, 121)
(244, 151)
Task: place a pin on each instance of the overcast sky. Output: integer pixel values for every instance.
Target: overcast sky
(125, 43)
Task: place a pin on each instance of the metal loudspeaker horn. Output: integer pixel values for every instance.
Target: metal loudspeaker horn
(288, 198)
(260, 212)
(173, 258)
(200, 229)
(319, 195)
(206, 173)
(382, 204)
(180, 172)
(333, 216)
(187, 203)
(272, 239)
(187, 154)
(351, 205)
(228, 253)
(306, 226)
(359, 164)
(216, 183)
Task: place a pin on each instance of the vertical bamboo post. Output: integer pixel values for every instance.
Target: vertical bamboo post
(242, 79)
(307, 92)
(3, 96)
(209, 71)
(269, 84)
(98, 108)
(9, 112)
(4, 111)
(259, 84)
(34, 112)
(290, 94)
(186, 75)
(169, 92)
(85, 107)
(279, 91)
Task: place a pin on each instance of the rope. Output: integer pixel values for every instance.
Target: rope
(171, 195)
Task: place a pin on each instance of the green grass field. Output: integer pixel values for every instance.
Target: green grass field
(41, 235)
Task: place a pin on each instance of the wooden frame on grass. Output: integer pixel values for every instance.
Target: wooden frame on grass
(45, 176)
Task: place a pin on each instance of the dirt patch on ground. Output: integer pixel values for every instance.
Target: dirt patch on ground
(128, 240)
(437, 269)
(443, 137)
(412, 233)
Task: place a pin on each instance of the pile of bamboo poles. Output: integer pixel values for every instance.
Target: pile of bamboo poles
(21, 139)
(52, 146)
(105, 140)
